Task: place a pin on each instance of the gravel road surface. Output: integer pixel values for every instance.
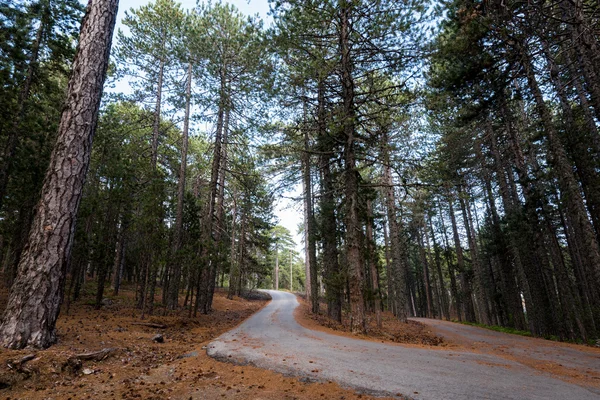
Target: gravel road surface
(272, 339)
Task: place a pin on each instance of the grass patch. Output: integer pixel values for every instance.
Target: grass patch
(554, 338)
(497, 328)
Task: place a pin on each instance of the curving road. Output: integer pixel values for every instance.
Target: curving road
(272, 339)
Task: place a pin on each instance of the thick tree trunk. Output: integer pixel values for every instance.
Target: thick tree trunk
(35, 299)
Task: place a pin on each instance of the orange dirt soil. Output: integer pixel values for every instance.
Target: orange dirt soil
(391, 331)
(140, 368)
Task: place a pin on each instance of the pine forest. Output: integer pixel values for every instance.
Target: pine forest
(442, 159)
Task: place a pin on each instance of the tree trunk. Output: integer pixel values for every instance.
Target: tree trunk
(157, 111)
(466, 293)
(332, 279)
(351, 175)
(398, 270)
(482, 284)
(234, 269)
(119, 260)
(220, 209)
(311, 255)
(291, 272)
(276, 284)
(34, 303)
(430, 311)
(438, 264)
(578, 147)
(388, 268)
(372, 259)
(568, 185)
(209, 237)
(175, 279)
(449, 263)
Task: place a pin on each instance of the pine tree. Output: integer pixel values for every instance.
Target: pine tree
(34, 303)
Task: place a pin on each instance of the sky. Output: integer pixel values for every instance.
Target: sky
(250, 7)
(289, 213)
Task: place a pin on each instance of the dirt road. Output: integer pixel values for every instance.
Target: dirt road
(272, 339)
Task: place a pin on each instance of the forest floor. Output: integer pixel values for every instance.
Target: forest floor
(138, 367)
(179, 368)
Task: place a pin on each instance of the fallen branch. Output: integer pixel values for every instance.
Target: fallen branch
(150, 325)
(19, 365)
(96, 356)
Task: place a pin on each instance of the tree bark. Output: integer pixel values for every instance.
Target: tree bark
(175, 270)
(480, 291)
(438, 264)
(157, 111)
(119, 260)
(568, 185)
(398, 270)
(220, 208)
(276, 284)
(34, 303)
(332, 279)
(430, 311)
(234, 269)
(351, 175)
(209, 237)
(372, 260)
(466, 292)
(449, 263)
(578, 146)
(311, 260)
